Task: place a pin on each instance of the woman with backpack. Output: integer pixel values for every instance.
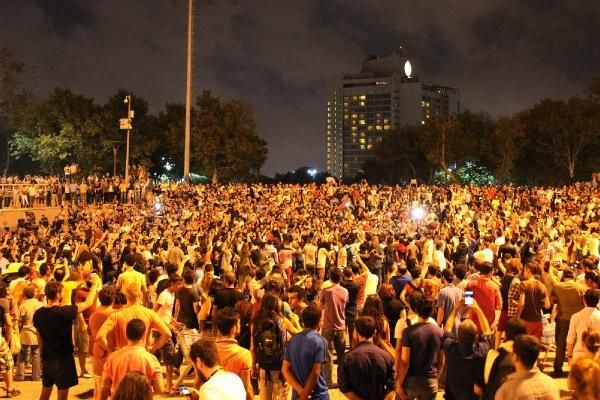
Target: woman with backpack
(270, 330)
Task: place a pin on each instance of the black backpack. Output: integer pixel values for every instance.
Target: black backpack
(501, 368)
(269, 345)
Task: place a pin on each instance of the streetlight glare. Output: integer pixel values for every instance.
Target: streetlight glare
(417, 213)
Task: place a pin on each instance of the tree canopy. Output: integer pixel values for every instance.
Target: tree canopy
(552, 142)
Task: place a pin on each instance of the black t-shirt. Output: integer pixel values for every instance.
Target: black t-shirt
(227, 297)
(464, 367)
(55, 324)
(187, 297)
(4, 309)
(391, 310)
(352, 287)
(425, 342)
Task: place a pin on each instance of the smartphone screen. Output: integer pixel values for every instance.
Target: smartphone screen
(184, 391)
(469, 297)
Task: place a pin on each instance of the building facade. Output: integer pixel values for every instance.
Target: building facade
(386, 94)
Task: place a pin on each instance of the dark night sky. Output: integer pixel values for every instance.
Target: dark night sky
(282, 56)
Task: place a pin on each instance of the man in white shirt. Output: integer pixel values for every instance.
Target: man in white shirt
(218, 383)
(164, 308)
(581, 321)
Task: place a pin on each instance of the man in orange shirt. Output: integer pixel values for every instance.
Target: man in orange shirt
(99, 355)
(117, 322)
(234, 358)
(133, 357)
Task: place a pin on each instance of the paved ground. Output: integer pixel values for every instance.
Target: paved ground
(31, 390)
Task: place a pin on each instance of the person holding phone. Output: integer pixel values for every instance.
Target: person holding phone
(465, 352)
(487, 293)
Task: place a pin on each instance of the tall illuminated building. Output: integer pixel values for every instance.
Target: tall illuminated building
(387, 93)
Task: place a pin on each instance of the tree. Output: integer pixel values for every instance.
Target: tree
(13, 98)
(398, 157)
(504, 146)
(224, 140)
(456, 141)
(171, 122)
(562, 130)
(62, 130)
(146, 136)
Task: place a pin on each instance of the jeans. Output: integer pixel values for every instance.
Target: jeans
(35, 362)
(379, 273)
(350, 320)
(421, 387)
(560, 336)
(272, 387)
(335, 340)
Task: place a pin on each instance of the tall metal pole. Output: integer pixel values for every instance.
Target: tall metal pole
(128, 98)
(188, 92)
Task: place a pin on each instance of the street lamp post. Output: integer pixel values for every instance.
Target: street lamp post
(188, 90)
(126, 124)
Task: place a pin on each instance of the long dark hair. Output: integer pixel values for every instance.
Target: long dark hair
(374, 308)
(269, 309)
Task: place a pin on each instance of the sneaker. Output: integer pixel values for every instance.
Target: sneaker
(86, 395)
(85, 375)
(12, 393)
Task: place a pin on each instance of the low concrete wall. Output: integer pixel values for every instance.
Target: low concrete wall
(10, 216)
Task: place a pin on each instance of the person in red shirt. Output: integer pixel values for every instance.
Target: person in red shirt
(487, 293)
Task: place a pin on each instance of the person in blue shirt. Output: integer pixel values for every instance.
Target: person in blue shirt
(304, 358)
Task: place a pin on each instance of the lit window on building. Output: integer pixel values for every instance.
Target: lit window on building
(363, 97)
(378, 127)
(369, 146)
(370, 128)
(386, 127)
(362, 146)
(362, 122)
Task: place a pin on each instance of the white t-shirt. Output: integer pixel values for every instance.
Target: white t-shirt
(223, 386)
(371, 285)
(401, 324)
(166, 299)
(439, 259)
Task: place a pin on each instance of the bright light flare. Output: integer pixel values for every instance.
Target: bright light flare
(417, 213)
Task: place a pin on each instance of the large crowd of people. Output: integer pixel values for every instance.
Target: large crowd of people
(293, 290)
